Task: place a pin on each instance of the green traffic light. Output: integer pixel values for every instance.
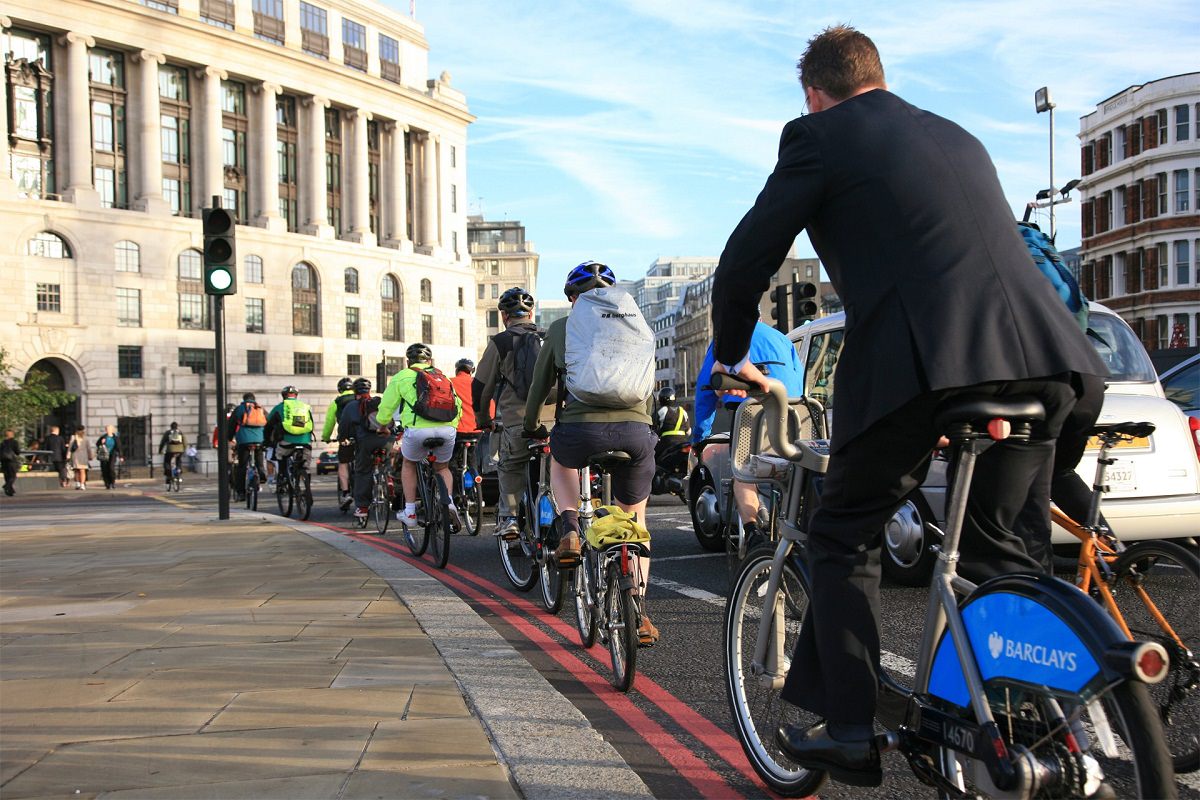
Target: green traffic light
(220, 279)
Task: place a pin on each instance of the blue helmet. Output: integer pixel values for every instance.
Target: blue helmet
(588, 275)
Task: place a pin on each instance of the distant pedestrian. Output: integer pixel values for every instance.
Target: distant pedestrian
(10, 461)
(57, 447)
(174, 443)
(80, 454)
(108, 450)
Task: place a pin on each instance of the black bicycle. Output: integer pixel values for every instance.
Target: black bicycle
(435, 522)
(468, 494)
(293, 490)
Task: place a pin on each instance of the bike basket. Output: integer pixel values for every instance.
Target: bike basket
(612, 526)
(750, 457)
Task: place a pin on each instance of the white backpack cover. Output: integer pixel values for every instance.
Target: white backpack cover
(610, 350)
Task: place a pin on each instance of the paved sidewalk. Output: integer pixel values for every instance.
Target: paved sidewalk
(148, 650)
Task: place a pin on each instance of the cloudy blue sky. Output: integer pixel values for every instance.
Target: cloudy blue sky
(631, 129)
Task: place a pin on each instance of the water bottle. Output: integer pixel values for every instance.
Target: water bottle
(545, 511)
(468, 479)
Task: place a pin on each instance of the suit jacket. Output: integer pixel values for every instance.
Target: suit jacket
(906, 213)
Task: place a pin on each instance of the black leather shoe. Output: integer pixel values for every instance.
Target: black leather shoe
(855, 763)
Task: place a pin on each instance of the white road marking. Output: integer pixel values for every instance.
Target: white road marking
(660, 559)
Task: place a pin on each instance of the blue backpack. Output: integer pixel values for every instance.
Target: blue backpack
(1047, 258)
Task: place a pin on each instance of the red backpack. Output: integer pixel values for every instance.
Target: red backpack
(436, 400)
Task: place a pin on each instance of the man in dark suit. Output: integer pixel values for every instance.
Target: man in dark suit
(906, 212)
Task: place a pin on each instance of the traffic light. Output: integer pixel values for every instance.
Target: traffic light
(220, 254)
(780, 313)
(804, 307)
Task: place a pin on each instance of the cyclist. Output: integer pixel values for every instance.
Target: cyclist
(174, 443)
(671, 420)
(464, 368)
(245, 427)
(354, 424)
(290, 431)
(345, 453)
(497, 379)
(582, 430)
(425, 405)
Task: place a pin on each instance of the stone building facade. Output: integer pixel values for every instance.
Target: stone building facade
(502, 259)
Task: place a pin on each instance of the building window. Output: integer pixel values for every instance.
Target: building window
(175, 131)
(1182, 124)
(234, 127)
(169, 6)
(47, 245)
(255, 315)
(129, 308)
(333, 169)
(254, 269)
(106, 69)
(268, 20)
(193, 311)
(31, 119)
(1182, 262)
(462, 333)
(493, 319)
(127, 256)
(1164, 264)
(351, 279)
(389, 302)
(495, 266)
(454, 242)
(256, 362)
(461, 297)
(193, 303)
(354, 45)
(352, 327)
(190, 265)
(389, 58)
(305, 301)
(1181, 190)
(198, 359)
(453, 156)
(426, 290)
(49, 297)
(306, 363)
(288, 135)
(482, 290)
(373, 169)
(1163, 190)
(1158, 129)
(314, 30)
(427, 328)
(217, 12)
(453, 199)
(173, 193)
(353, 365)
(129, 362)
(495, 291)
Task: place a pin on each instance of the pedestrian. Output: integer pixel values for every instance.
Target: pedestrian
(171, 447)
(108, 450)
(80, 454)
(942, 299)
(57, 447)
(10, 461)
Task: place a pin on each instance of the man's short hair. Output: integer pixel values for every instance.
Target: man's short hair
(840, 61)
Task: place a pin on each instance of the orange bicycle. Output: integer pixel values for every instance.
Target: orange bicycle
(1152, 590)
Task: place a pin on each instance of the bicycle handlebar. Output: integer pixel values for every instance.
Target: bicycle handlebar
(775, 408)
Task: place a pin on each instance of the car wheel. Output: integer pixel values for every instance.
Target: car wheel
(908, 553)
(706, 518)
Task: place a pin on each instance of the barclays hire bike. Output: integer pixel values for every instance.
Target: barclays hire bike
(1024, 687)
(468, 494)
(527, 554)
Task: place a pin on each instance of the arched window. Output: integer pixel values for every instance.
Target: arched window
(128, 256)
(254, 269)
(426, 291)
(306, 318)
(48, 245)
(351, 280)
(193, 303)
(191, 265)
(390, 295)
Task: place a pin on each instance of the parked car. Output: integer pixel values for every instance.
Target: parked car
(327, 462)
(1155, 482)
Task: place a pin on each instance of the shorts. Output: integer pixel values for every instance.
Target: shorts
(572, 443)
(412, 443)
(345, 453)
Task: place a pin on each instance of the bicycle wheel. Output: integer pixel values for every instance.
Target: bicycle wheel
(470, 508)
(284, 494)
(438, 521)
(252, 490)
(304, 497)
(622, 629)
(1157, 588)
(516, 556)
(549, 577)
(585, 618)
(754, 698)
(417, 536)
(381, 509)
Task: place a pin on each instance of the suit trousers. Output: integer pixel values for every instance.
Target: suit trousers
(365, 446)
(834, 671)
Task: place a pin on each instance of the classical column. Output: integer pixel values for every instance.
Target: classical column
(80, 187)
(360, 180)
(395, 225)
(264, 173)
(210, 177)
(313, 201)
(5, 174)
(146, 122)
(428, 206)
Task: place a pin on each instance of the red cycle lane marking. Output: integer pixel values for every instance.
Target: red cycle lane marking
(682, 760)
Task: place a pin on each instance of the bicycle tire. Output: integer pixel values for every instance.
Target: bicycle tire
(304, 497)
(381, 507)
(1169, 576)
(442, 527)
(622, 626)
(758, 709)
(417, 536)
(471, 509)
(550, 579)
(284, 495)
(251, 490)
(517, 556)
(585, 616)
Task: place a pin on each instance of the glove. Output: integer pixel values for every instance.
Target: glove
(539, 433)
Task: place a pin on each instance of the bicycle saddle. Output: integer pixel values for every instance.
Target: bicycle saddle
(1135, 429)
(430, 444)
(609, 459)
(468, 437)
(970, 414)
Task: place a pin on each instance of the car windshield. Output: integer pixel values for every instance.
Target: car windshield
(1183, 388)
(1121, 351)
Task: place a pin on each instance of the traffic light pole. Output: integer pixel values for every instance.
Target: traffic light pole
(222, 434)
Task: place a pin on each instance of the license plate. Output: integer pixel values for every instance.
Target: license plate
(1142, 442)
(1121, 478)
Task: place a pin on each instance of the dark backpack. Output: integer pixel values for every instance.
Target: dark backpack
(526, 347)
(1048, 260)
(436, 400)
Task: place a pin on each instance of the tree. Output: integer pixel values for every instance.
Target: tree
(24, 402)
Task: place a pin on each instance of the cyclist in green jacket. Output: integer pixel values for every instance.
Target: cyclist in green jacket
(423, 401)
(345, 453)
(290, 427)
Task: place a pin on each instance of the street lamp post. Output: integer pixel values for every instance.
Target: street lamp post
(1042, 102)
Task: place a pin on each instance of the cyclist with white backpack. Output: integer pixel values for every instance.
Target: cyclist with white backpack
(602, 357)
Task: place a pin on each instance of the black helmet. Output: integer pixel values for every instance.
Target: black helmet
(666, 396)
(288, 391)
(362, 386)
(418, 353)
(516, 302)
(588, 275)
(248, 397)
(345, 384)
(465, 365)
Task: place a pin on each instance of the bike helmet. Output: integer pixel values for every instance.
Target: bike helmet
(666, 396)
(362, 386)
(516, 302)
(344, 384)
(289, 391)
(418, 353)
(465, 365)
(588, 275)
